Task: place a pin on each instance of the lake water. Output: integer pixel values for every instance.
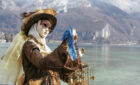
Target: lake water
(113, 65)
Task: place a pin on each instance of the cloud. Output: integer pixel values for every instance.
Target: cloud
(130, 6)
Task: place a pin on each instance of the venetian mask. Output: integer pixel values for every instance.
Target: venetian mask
(43, 28)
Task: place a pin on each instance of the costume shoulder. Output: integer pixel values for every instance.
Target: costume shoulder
(30, 45)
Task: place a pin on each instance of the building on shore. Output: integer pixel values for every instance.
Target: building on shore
(104, 33)
(2, 37)
(6, 37)
(2, 41)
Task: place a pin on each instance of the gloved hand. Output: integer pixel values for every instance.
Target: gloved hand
(83, 65)
(63, 51)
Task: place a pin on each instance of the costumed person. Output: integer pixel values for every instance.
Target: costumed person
(41, 66)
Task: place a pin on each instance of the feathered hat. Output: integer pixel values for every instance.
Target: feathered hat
(33, 17)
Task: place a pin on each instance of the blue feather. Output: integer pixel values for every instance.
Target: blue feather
(68, 35)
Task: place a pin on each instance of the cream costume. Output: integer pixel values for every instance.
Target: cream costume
(10, 65)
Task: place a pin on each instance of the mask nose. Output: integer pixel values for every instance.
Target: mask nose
(47, 30)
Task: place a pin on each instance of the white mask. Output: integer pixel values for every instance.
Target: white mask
(42, 31)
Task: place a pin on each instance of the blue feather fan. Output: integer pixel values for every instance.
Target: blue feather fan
(68, 35)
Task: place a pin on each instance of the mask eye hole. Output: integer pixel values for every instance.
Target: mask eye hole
(45, 25)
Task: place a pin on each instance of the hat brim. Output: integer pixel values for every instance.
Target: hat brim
(34, 19)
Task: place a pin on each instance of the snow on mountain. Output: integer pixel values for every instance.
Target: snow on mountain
(8, 4)
(29, 5)
(129, 6)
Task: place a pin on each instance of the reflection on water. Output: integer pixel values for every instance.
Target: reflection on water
(112, 65)
(105, 54)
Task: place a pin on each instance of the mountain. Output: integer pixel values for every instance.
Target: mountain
(122, 26)
(129, 6)
(96, 22)
(10, 22)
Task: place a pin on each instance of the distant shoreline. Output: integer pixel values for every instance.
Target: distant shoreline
(84, 43)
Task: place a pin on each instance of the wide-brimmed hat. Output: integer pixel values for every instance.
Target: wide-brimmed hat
(31, 18)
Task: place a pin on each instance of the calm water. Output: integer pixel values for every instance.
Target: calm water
(113, 65)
